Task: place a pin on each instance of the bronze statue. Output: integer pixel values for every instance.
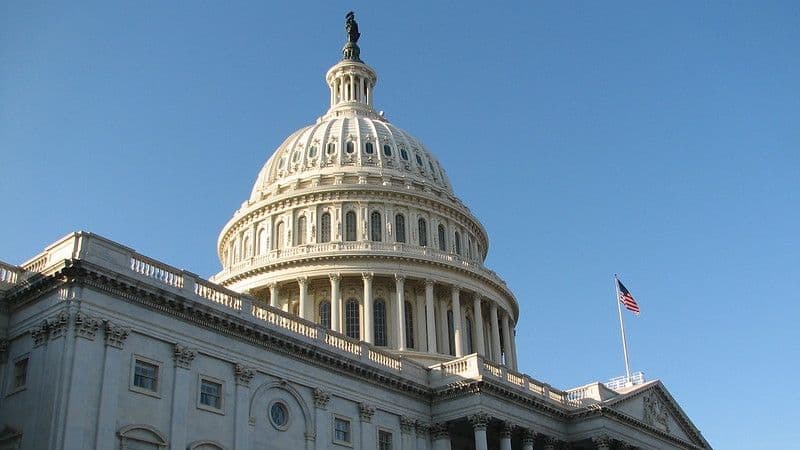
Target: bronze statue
(352, 27)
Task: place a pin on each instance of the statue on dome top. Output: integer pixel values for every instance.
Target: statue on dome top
(352, 27)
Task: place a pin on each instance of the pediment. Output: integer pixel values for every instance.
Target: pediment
(653, 405)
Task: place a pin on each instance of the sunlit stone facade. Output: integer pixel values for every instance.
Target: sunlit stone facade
(353, 310)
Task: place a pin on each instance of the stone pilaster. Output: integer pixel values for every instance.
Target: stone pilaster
(366, 412)
(243, 376)
(321, 400)
(182, 384)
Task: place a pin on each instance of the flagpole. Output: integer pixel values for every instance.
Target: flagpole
(622, 331)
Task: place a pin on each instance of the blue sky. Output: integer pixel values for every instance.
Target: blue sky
(659, 141)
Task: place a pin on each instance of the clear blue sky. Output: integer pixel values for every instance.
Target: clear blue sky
(659, 141)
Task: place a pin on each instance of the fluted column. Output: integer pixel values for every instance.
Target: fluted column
(303, 309)
(496, 352)
(528, 439)
(430, 316)
(509, 361)
(369, 329)
(505, 436)
(273, 295)
(336, 303)
(477, 315)
(479, 423)
(399, 285)
(457, 336)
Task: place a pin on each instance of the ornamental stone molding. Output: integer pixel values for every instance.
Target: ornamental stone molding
(422, 429)
(86, 326)
(243, 374)
(183, 356)
(40, 333)
(479, 421)
(551, 443)
(366, 412)
(407, 424)
(655, 411)
(321, 398)
(603, 442)
(115, 335)
(59, 324)
(528, 437)
(439, 430)
(508, 430)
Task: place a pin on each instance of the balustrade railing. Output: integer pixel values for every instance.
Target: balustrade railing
(9, 274)
(157, 271)
(36, 264)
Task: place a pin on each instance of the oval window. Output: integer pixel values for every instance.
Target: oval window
(387, 150)
(368, 148)
(279, 415)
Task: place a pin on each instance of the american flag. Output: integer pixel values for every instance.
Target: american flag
(627, 299)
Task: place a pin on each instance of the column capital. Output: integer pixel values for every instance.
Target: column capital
(407, 424)
(480, 420)
(366, 412)
(439, 431)
(422, 429)
(508, 429)
(321, 398)
(302, 281)
(272, 285)
(455, 289)
(400, 279)
(243, 374)
(367, 276)
(551, 442)
(183, 356)
(528, 436)
(86, 326)
(115, 335)
(429, 282)
(335, 277)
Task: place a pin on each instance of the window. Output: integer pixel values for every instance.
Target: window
(325, 227)
(419, 160)
(210, 394)
(451, 340)
(141, 437)
(279, 415)
(262, 241)
(301, 230)
(369, 148)
(458, 242)
(325, 314)
(404, 154)
(279, 236)
(400, 228)
(375, 226)
(145, 375)
(282, 163)
(20, 379)
(312, 151)
(409, 323)
(331, 149)
(352, 319)
(387, 150)
(350, 147)
(246, 247)
(384, 440)
(423, 232)
(296, 156)
(380, 322)
(442, 239)
(350, 226)
(469, 248)
(341, 430)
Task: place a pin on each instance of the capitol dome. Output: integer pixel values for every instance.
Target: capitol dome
(353, 224)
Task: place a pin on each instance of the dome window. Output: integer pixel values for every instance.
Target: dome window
(350, 148)
(375, 226)
(352, 319)
(312, 152)
(369, 148)
(282, 163)
(423, 232)
(350, 226)
(296, 156)
(419, 160)
(404, 154)
(331, 148)
(400, 228)
(387, 150)
(379, 322)
(442, 239)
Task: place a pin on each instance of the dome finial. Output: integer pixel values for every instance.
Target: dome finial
(351, 52)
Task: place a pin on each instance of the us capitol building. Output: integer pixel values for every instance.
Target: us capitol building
(353, 311)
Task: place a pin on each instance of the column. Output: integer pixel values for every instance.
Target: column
(367, 430)
(513, 332)
(273, 295)
(505, 436)
(421, 332)
(457, 336)
(509, 362)
(602, 442)
(115, 336)
(444, 329)
(241, 415)
(399, 283)
(303, 309)
(430, 316)
(181, 388)
(495, 333)
(441, 436)
(369, 329)
(528, 438)
(477, 314)
(336, 303)
(321, 400)
(479, 423)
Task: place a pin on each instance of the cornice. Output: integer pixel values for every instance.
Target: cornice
(490, 387)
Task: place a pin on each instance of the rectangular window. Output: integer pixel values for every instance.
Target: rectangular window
(384, 440)
(145, 375)
(20, 373)
(341, 430)
(210, 393)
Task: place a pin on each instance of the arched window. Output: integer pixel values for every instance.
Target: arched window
(312, 151)
(409, 323)
(331, 149)
(457, 239)
(380, 322)
(369, 148)
(400, 228)
(404, 154)
(469, 248)
(262, 241)
(423, 232)
(350, 226)
(280, 238)
(468, 334)
(375, 226)
(352, 319)
(246, 247)
(141, 437)
(350, 147)
(451, 332)
(237, 250)
(325, 314)
(442, 239)
(387, 150)
(325, 227)
(301, 230)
